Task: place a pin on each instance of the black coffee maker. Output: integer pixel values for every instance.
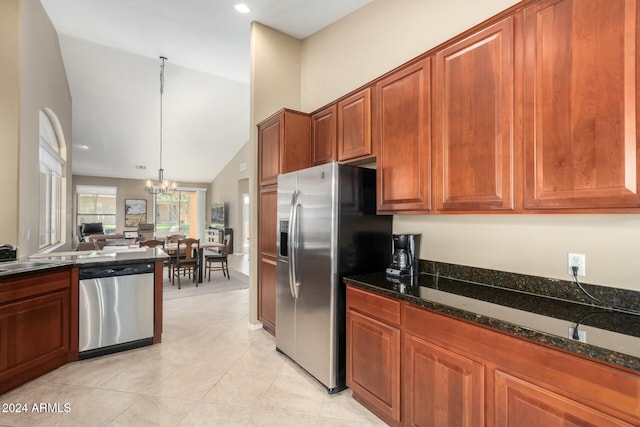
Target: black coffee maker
(406, 253)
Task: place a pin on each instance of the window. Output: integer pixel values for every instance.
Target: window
(180, 213)
(52, 161)
(97, 204)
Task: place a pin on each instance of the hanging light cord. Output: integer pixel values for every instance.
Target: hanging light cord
(161, 93)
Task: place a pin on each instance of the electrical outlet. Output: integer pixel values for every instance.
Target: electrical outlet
(577, 260)
(582, 335)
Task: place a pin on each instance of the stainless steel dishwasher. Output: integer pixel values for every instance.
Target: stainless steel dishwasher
(115, 309)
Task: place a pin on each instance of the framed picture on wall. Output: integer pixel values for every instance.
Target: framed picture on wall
(135, 212)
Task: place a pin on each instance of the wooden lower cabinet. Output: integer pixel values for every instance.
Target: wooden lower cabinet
(373, 359)
(267, 293)
(440, 387)
(458, 373)
(267, 248)
(519, 403)
(35, 322)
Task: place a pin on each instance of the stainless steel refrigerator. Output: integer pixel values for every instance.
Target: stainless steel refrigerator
(327, 228)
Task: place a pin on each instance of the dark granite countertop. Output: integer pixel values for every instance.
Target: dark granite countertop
(612, 336)
(58, 261)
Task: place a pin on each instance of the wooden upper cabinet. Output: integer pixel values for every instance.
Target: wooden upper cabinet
(284, 144)
(354, 126)
(473, 121)
(402, 133)
(580, 94)
(323, 135)
(269, 151)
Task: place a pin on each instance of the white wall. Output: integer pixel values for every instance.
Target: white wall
(387, 33)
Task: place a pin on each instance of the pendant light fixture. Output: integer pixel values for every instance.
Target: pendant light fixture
(162, 186)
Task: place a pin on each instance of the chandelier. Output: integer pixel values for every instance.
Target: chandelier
(162, 186)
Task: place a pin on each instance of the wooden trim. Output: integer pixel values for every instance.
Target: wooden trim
(74, 316)
(157, 301)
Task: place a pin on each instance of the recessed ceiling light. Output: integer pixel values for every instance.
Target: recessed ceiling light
(242, 8)
(83, 147)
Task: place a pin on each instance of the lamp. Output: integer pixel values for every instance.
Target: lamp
(163, 186)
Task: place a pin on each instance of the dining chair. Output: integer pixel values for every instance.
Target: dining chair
(187, 263)
(173, 254)
(211, 261)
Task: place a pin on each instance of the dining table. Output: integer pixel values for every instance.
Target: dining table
(172, 247)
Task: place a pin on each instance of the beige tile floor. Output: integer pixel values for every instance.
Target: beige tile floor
(210, 370)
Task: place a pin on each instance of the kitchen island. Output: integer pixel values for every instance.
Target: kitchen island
(39, 309)
(490, 348)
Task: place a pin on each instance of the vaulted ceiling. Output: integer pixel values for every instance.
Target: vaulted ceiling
(111, 51)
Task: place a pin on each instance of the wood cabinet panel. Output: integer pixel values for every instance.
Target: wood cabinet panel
(269, 151)
(373, 364)
(580, 102)
(440, 387)
(284, 145)
(324, 135)
(267, 293)
(520, 403)
(295, 148)
(267, 217)
(402, 133)
(267, 251)
(34, 333)
(597, 385)
(354, 126)
(473, 121)
(376, 306)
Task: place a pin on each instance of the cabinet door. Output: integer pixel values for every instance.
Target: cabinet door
(267, 293)
(580, 93)
(323, 135)
(441, 388)
(473, 115)
(520, 403)
(295, 146)
(267, 257)
(269, 150)
(403, 136)
(373, 365)
(354, 126)
(34, 337)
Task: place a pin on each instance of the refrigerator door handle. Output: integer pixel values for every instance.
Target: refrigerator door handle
(296, 247)
(291, 244)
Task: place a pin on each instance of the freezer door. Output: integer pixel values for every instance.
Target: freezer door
(285, 302)
(315, 338)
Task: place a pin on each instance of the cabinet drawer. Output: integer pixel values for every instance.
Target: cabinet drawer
(376, 306)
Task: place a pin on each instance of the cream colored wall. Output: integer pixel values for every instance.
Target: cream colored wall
(32, 78)
(386, 33)
(224, 188)
(9, 119)
(378, 38)
(275, 83)
(127, 189)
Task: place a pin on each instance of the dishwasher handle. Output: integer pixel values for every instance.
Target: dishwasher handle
(115, 270)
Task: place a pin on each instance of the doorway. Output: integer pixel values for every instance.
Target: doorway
(243, 217)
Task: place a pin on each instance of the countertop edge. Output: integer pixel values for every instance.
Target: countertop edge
(564, 344)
